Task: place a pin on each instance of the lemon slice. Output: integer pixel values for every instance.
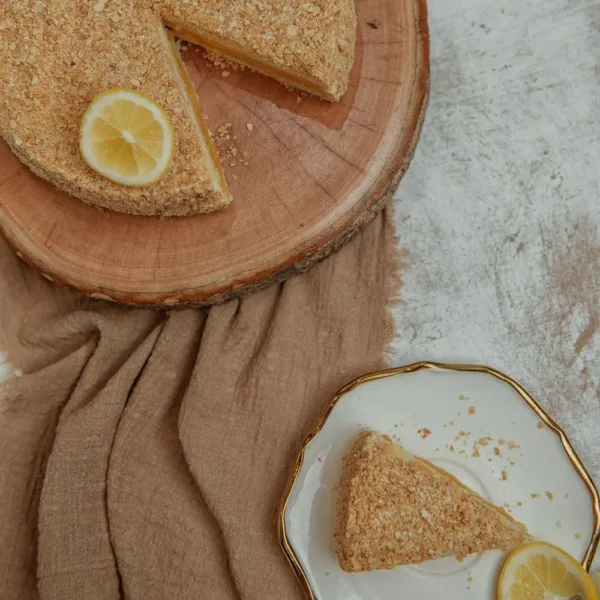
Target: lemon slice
(539, 571)
(127, 137)
(596, 579)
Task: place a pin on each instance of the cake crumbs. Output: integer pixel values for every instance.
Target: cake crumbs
(228, 152)
(463, 397)
(220, 62)
(476, 453)
(549, 495)
(510, 444)
(497, 451)
(504, 475)
(540, 425)
(577, 536)
(181, 45)
(534, 496)
(424, 432)
(472, 410)
(223, 132)
(519, 503)
(484, 441)
(249, 126)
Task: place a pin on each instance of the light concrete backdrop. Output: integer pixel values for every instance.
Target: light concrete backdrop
(499, 214)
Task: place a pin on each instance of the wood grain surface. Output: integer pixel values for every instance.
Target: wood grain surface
(305, 175)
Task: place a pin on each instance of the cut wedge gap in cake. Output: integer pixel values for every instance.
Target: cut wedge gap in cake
(195, 114)
(395, 509)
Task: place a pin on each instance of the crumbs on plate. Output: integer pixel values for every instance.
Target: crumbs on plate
(424, 432)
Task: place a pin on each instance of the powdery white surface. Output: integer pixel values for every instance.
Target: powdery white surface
(499, 214)
(7, 370)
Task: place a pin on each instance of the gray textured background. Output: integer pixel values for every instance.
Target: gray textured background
(499, 214)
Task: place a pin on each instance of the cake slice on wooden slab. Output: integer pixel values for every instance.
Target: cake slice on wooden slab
(395, 509)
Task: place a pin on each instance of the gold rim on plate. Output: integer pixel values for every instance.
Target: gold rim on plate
(571, 453)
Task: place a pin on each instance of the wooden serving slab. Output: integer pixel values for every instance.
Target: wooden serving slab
(305, 175)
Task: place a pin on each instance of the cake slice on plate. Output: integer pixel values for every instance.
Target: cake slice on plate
(395, 509)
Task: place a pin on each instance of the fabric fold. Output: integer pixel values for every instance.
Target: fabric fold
(75, 556)
(143, 454)
(166, 541)
(268, 365)
(27, 430)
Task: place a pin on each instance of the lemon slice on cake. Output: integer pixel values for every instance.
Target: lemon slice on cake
(127, 137)
(539, 571)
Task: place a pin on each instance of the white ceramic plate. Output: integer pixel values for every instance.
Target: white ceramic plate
(442, 413)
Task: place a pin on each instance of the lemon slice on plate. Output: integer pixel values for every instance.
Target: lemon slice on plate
(596, 579)
(127, 137)
(539, 571)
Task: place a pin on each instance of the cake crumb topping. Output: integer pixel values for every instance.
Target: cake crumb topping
(396, 509)
(56, 57)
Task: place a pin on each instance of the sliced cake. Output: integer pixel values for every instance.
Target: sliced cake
(395, 509)
(56, 57)
(307, 45)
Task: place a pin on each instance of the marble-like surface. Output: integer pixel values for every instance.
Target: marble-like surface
(499, 214)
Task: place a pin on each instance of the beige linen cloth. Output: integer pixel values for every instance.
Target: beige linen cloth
(143, 453)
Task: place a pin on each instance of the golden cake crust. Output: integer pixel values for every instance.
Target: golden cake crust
(55, 57)
(395, 509)
(314, 39)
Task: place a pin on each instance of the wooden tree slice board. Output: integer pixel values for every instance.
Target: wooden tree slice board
(306, 174)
